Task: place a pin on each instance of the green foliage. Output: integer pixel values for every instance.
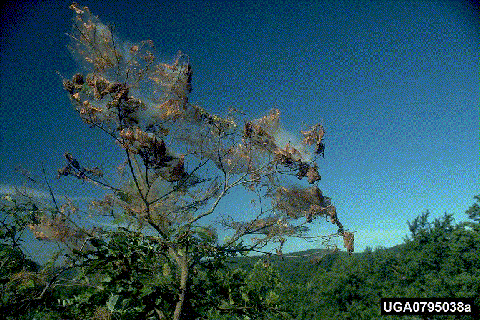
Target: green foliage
(474, 211)
(129, 275)
(439, 259)
(124, 277)
(15, 216)
(258, 294)
(19, 279)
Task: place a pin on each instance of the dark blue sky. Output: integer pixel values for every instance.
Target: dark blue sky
(395, 83)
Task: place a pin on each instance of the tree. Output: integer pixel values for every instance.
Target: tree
(441, 259)
(24, 283)
(17, 272)
(474, 211)
(180, 162)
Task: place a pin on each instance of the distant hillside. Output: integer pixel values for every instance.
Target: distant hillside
(298, 265)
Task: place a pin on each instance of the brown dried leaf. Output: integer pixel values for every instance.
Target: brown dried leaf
(313, 175)
(314, 135)
(287, 156)
(348, 241)
(303, 169)
(177, 172)
(332, 212)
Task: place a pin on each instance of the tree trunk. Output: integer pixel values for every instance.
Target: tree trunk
(182, 262)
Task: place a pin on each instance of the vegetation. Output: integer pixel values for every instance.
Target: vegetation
(124, 279)
(438, 259)
(154, 252)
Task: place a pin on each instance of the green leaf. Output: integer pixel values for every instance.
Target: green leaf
(112, 301)
(166, 270)
(29, 284)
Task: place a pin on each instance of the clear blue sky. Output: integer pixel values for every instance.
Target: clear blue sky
(395, 83)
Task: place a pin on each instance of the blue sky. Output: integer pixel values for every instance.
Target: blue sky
(395, 84)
